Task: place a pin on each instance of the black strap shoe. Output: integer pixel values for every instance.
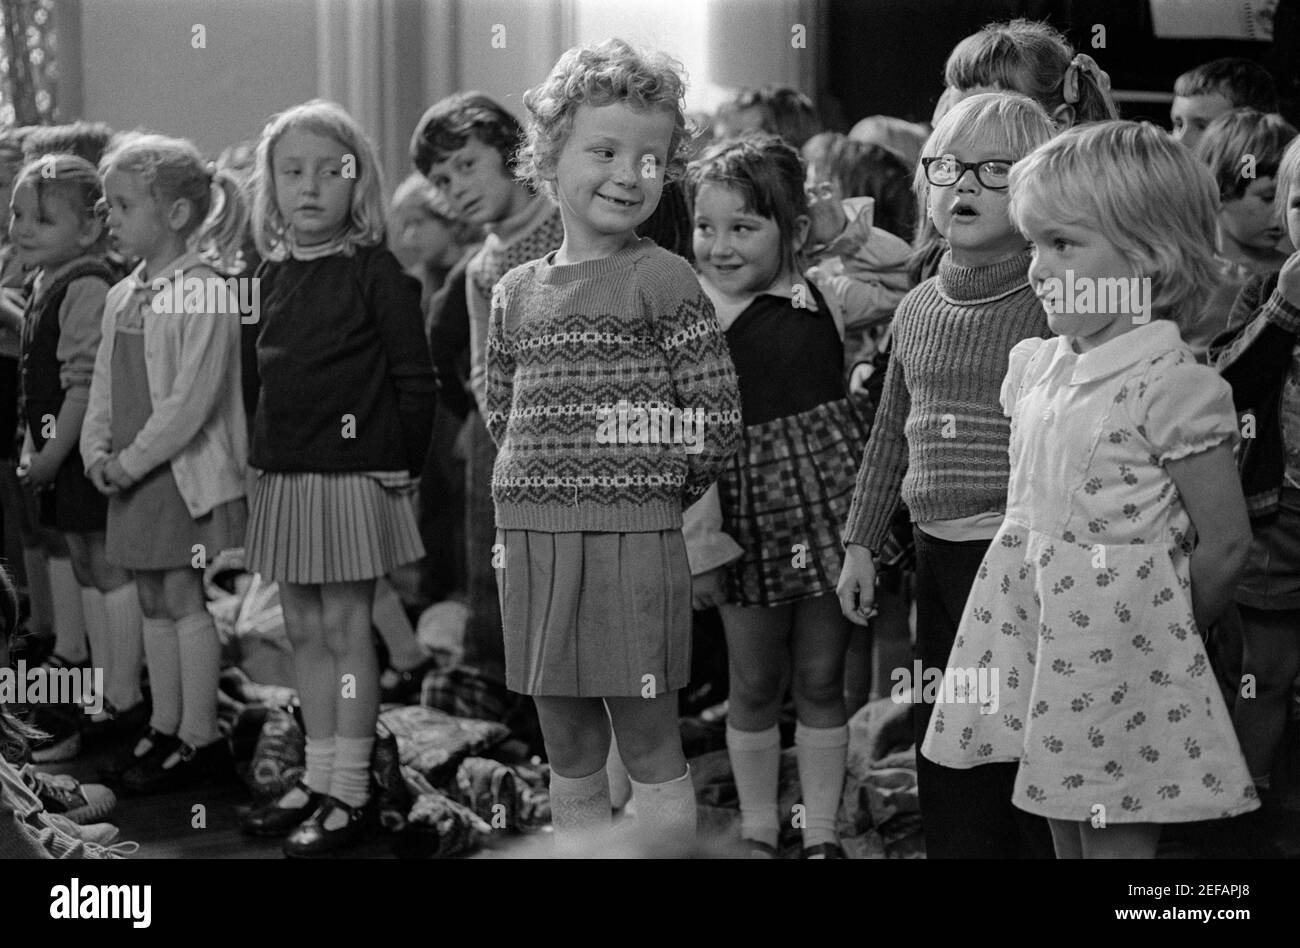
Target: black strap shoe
(312, 839)
(274, 819)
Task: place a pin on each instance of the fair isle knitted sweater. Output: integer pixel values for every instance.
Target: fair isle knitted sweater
(939, 442)
(567, 346)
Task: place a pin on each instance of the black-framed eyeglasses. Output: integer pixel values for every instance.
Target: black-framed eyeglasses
(945, 171)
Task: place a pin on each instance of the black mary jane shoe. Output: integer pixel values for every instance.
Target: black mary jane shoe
(311, 839)
(824, 851)
(757, 849)
(156, 747)
(272, 819)
(193, 767)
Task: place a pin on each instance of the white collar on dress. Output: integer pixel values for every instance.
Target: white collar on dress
(1139, 344)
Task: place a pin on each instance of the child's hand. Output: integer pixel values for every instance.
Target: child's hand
(709, 589)
(115, 476)
(1288, 280)
(40, 470)
(826, 213)
(857, 586)
(97, 478)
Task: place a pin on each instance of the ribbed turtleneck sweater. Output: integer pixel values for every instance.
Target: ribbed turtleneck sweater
(939, 443)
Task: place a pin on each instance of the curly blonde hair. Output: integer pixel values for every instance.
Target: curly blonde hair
(598, 75)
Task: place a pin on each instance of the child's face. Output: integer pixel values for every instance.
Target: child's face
(311, 190)
(1292, 212)
(737, 250)
(1191, 113)
(972, 216)
(476, 182)
(1249, 221)
(610, 172)
(1067, 257)
(418, 236)
(135, 215)
(51, 235)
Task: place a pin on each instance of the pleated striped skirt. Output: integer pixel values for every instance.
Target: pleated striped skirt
(330, 528)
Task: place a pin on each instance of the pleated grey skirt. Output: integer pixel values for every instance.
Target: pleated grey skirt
(330, 528)
(595, 615)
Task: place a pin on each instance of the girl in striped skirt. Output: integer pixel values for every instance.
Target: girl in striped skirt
(342, 428)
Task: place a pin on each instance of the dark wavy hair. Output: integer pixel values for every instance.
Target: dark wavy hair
(769, 176)
(449, 123)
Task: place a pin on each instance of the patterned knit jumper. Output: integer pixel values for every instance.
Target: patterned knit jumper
(567, 345)
(940, 439)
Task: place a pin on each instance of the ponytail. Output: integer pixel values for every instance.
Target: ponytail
(222, 235)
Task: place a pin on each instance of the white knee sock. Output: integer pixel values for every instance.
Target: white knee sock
(350, 778)
(125, 645)
(162, 654)
(320, 763)
(756, 765)
(665, 812)
(579, 805)
(96, 619)
(69, 625)
(821, 752)
(200, 653)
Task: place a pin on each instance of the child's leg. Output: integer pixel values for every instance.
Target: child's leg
(389, 615)
(1271, 653)
(758, 657)
(161, 652)
(200, 655)
(345, 613)
(891, 634)
(70, 644)
(820, 639)
(65, 592)
(123, 632)
(1120, 840)
(317, 678)
(650, 743)
(1067, 838)
(576, 731)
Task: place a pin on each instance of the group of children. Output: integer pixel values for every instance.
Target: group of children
(1078, 520)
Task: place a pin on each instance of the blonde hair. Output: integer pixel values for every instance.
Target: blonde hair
(1145, 193)
(1035, 59)
(271, 232)
(600, 75)
(1008, 123)
(174, 170)
(1287, 180)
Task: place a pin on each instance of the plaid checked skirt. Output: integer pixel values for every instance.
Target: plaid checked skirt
(785, 498)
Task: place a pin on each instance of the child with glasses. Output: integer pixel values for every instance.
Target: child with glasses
(940, 439)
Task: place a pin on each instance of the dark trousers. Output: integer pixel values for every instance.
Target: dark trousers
(967, 814)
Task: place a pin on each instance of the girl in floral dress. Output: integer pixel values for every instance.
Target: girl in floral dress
(1125, 529)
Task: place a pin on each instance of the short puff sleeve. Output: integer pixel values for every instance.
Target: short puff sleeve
(1182, 409)
(1022, 353)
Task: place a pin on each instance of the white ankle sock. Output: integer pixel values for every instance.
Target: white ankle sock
(579, 805)
(821, 752)
(125, 647)
(162, 655)
(92, 611)
(320, 763)
(200, 653)
(756, 765)
(665, 812)
(69, 624)
(350, 778)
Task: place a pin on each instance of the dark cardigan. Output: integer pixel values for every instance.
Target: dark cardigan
(1253, 356)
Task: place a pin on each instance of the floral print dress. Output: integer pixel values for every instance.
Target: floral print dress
(1082, 606)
